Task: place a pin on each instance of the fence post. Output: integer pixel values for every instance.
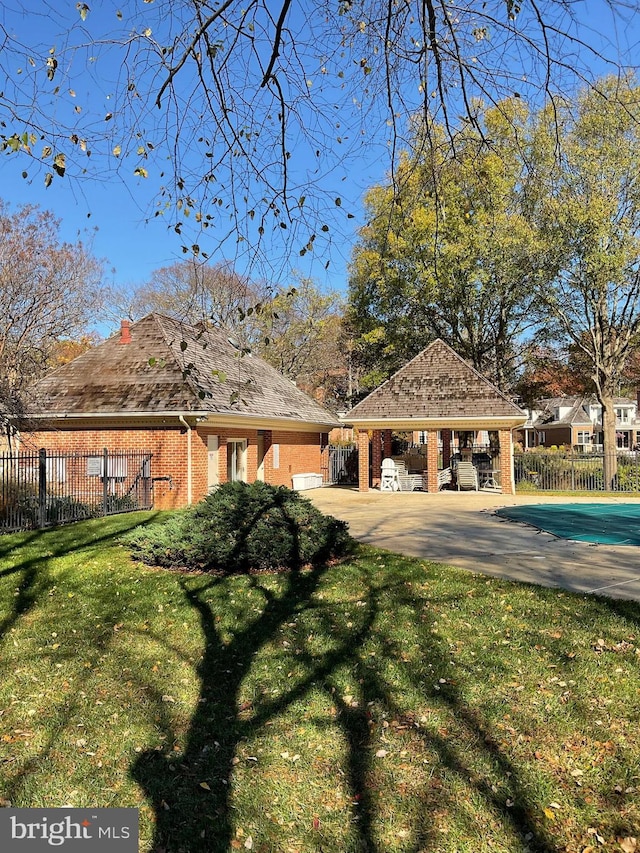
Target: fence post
(105, 480)
(42, 487)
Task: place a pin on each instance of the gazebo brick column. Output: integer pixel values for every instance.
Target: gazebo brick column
(376, 457)
(363, 460)
(386, 443)
(506, 462)
(446, 447)
(432, 460)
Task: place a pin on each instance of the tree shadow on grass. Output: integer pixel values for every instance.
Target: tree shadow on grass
(189, 816)
(32, 580)
(31, 555)
(192, 816)
(629, 610)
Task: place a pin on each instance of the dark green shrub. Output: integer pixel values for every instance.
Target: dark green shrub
(61, 509)
(119, 503)
(243, 527)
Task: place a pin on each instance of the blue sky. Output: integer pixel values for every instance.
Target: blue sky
(115, 213)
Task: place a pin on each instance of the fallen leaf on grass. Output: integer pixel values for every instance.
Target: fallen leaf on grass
(205, 785)
(628, 844)
(381, 753)
(596, 835)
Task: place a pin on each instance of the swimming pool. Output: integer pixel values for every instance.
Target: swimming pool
(607, 524)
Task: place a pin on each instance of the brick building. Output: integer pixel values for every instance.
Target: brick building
(207, 412)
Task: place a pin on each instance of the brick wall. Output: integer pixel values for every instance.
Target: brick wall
(363, 461)
(506, 462)
(293, 452)
(299, 453)
(432, 460)
(168, 446)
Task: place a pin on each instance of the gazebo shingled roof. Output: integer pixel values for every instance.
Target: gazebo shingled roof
(436, 388)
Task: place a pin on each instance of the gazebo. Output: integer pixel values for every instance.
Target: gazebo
(435, 393)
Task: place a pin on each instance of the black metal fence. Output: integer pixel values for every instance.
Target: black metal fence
(575, 472)
(42, 489)
(341, 465)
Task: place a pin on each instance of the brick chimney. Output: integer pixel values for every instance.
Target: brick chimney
(125, 332)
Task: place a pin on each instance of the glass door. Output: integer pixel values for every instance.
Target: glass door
(237, 460)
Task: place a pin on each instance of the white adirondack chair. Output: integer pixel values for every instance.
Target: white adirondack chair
(389, 481)
(408, 482)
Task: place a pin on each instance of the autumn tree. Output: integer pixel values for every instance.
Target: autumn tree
(589, 206)
(194, 291)
(297, 329)
(450, 250)
(246, 117)
(48, 290)
(551, 371)
(66, 349)
(301, 335)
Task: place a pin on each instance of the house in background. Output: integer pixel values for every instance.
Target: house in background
(207, 412)
(577, 422)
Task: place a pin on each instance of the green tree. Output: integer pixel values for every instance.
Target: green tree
(454, 253)
(589, 206)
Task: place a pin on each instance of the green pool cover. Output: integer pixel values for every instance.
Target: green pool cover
(608, 524)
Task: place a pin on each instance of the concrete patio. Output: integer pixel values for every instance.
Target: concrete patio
(461, 529)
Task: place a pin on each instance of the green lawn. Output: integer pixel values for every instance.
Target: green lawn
(382, 704)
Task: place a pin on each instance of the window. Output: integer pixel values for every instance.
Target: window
(584, 437)
(541, 437)
(622, 415)
(116, 467)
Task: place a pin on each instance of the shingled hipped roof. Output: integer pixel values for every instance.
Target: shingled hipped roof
(436, 389)
(194, 370)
